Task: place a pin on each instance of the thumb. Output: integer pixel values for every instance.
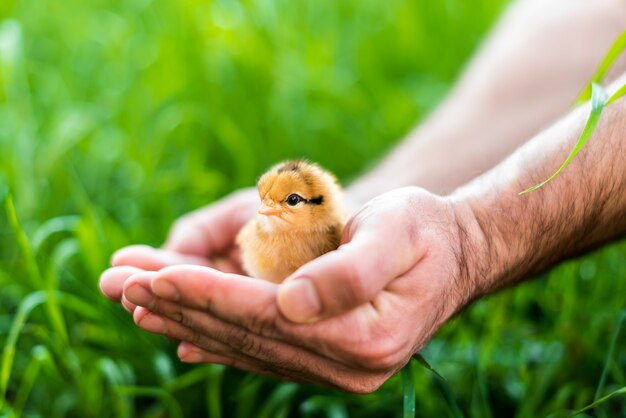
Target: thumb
(341, 280)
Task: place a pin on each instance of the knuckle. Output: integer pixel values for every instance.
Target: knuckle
(171, 311)
(243, 341)
(185, 319)
(155, 305)
(196, 338)
(259, 322)
(250, 346)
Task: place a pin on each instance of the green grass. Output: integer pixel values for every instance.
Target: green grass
(118, 116)
(595, 93)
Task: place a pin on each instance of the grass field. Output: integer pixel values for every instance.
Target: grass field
(118, 116)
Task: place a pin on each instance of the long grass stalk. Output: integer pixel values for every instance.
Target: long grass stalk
(408, 389)
(594, 91)
(29, 303)
(620, 391)
(34, 273)
(173, 406)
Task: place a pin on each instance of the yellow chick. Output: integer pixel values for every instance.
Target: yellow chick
(301, 217)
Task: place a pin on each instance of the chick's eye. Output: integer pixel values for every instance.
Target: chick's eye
(294, 199)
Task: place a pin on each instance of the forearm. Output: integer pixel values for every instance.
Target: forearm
(526, 75)
(510, 237)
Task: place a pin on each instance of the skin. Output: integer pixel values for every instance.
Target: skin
(520, 81)
(217, 312)
(354, 316)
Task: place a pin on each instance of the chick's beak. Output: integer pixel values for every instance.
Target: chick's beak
(268, 208)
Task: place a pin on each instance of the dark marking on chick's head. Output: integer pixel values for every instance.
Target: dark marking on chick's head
(316, 200)
(289, 166)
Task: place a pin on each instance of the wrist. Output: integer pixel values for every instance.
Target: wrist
(475, 256)
(495, 241)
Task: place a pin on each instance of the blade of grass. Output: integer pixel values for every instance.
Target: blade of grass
(448, 395)
(39, 355)
(163, 367)
(79, 306)
(192, 377)
(596, 93)
(89, 230)
(53, 226)
(328, 406)
(278, 399)
(421, 360)
(214, 390)
(618, 94)
(29, 303)
(408, 389)
(247, 396)
(598, 102)
(484, 407)
(620, 391)
(162, 395)
(115, 377)
(609, 355)
(614, 52)
(34, 273)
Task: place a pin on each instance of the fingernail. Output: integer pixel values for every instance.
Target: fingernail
(165, 289)
(152, 323)
(192, 357)
(138, 295)
(188, 355)
(298, 300)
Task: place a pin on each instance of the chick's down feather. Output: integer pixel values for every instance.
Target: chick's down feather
(301, 217)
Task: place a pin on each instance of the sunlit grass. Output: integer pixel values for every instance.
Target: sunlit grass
(118, 116)
(596, 94)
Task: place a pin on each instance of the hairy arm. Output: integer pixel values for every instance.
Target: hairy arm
(512, 236)
(526, 75)
(408, 261)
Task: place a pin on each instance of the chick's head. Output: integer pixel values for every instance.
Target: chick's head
(299, 195)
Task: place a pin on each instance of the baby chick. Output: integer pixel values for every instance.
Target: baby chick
(301, 217)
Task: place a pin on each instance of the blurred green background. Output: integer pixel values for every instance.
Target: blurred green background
(118, 116)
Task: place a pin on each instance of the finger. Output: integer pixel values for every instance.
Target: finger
(341, 280)
(234, 298)
(264, 354)
(241, 300)
(260, 331)
(189, 353)
(149, 258)
(212, 230)
(136, 291)
(247, 302)
(138, 315)
(153, 322)
(251, 304)
(112, 281)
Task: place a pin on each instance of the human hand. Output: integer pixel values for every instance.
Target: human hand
(360, 312)
(204, 237)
